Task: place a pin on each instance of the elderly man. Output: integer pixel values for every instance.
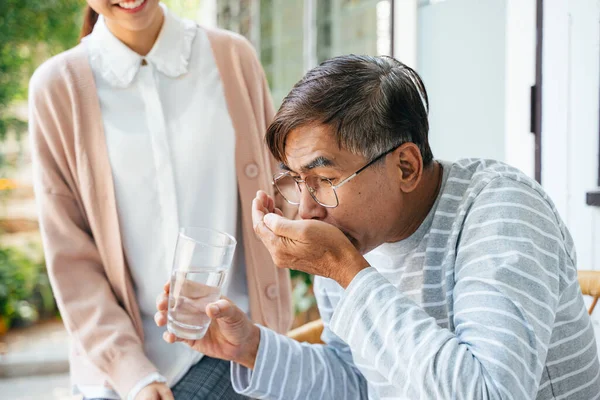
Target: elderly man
(435, 280)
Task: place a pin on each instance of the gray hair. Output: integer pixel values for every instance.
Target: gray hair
(372, 104)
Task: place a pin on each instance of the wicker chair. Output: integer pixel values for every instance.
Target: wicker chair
(310, 332)
(590, 286)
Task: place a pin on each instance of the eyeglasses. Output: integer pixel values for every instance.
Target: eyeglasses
(322, 190)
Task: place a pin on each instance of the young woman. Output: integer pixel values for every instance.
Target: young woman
(152, 123)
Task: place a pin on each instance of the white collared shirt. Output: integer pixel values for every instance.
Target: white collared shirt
(171, 146)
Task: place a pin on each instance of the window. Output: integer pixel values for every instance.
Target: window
(293, 35)
(593, 197)
(353, 26)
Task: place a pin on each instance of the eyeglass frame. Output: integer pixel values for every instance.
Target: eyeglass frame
(311, 190)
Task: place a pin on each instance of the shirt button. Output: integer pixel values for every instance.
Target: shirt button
(271, 291)
(251, 170)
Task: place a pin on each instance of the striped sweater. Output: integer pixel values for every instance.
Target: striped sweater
(481, 302)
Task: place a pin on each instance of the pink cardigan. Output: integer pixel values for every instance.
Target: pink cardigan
(78, 216)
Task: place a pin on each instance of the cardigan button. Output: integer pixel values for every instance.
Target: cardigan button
(251, 170)
(271, 291)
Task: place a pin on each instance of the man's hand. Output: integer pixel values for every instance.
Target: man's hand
(155, 391)
(311, 246)
(231, 335)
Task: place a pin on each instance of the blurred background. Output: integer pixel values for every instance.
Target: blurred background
(513, 80)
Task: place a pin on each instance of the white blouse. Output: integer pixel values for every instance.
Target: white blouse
(171, 146)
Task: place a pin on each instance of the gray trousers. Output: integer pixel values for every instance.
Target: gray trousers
(207, 380)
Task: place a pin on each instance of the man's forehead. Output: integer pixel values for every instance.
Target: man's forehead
(310, 135)
(310, 147)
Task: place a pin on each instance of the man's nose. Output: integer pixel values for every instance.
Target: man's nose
(309, 208)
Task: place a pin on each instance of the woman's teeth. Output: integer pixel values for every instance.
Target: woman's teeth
(130, 5)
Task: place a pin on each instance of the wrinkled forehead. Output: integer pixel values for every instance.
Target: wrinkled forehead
(313, 147)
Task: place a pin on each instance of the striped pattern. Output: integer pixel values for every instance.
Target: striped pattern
(482, 302)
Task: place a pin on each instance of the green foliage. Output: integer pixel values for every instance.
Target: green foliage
(25, 293)
(30, 32)
(302, 294)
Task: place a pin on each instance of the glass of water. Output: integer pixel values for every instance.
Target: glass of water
(202, 259)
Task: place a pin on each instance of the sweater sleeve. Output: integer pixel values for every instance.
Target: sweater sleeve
(99, 327)
(286, 369)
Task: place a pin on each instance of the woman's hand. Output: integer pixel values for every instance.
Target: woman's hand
(155, 391)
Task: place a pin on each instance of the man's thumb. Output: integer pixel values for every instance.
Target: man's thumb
(280, 226)
(225, 310)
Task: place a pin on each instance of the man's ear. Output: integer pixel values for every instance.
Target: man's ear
(410, 166)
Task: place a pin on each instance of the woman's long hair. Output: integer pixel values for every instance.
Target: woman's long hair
(89, 20)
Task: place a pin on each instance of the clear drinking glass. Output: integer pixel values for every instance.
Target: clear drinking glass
(200, 265)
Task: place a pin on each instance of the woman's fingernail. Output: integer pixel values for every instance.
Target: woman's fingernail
(214, 309)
